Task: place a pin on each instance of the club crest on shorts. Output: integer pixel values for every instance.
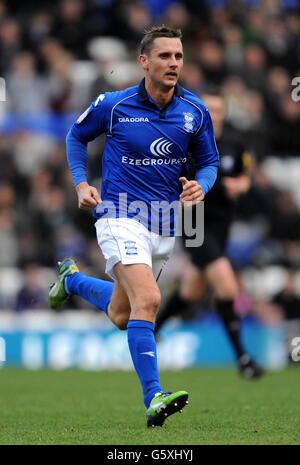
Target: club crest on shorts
(188, 119)
(131, 248)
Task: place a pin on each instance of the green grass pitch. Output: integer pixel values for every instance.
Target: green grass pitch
(77, 407)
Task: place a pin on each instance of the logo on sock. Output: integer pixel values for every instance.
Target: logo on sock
(151, 354)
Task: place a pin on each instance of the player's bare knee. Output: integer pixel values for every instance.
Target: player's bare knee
(148, 303)
(118, 316)
(121, 321)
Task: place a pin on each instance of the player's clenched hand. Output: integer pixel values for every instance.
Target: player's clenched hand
(191, 192)
(88, 196)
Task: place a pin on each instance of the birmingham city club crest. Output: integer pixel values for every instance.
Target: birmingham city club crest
(188, 119)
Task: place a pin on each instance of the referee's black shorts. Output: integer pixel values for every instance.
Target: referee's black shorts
(214, 244)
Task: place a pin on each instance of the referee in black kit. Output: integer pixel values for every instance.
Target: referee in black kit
(209, 264)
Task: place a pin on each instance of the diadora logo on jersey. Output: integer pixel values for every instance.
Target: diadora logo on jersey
(161, 147)
(188, 119)
(134, 120)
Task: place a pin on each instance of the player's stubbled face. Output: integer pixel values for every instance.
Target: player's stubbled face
(165, 61)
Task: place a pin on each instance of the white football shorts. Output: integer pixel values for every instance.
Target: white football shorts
(127, 241)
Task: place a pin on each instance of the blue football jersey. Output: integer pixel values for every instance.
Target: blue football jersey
(146, 147)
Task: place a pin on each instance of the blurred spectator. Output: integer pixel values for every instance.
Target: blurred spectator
(39, 29)
(48, 51)
(210, 56)
(31, 296)
(72, 27)
(56, 166)
(233, 48)
(285, 224)
(287, 299)
(107, 52)
(157, 7)
(292, 22)
(281, 46)
(10, 44)
(285, 304)
(101, 84)
(261, 199)
(7, 196)
(28, 93)
(9, 172)
(255, 29)
(198, 16)
(235, 91)
(284, 128)
(132, 19)
(278, 86)
(177, 16)
(219, 16)
(254, 69)
(60, 83)
(103, 15)
(31, 244)
(2, 10)
(69, 242)
(8, 238)
(52, 206)
(32, 151)
(255, 128)
(192, 78)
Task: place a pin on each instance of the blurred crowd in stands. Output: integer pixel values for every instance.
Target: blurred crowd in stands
(57, 56)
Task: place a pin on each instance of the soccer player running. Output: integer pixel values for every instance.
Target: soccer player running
(150, 129)
(209, 264)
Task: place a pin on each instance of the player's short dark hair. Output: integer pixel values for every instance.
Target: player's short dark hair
(153, 33)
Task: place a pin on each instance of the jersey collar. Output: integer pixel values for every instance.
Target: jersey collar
(143, 96)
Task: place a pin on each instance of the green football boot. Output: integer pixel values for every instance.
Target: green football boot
(165, 404)
(57, 294)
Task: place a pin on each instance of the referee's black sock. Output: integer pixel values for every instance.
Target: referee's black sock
(232, 324)
(174, 306)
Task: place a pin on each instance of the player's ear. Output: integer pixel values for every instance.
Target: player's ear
(144, 62)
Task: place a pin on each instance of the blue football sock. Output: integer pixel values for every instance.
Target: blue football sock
(96, 291)
(142, 347)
